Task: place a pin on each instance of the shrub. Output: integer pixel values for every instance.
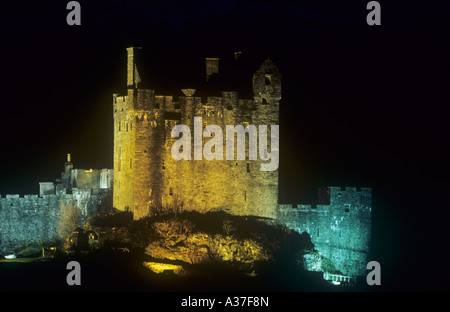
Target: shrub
(69, 218)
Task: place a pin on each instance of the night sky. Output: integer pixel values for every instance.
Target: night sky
(362, 105)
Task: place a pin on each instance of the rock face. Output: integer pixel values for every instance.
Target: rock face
(170, 241)
(199, 248)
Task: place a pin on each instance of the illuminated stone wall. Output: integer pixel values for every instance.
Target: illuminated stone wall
(32, 219)
(95, 179)
(340, 230)
(147, 177)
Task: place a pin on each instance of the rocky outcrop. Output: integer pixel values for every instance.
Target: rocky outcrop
(192, 239)
(199, 248)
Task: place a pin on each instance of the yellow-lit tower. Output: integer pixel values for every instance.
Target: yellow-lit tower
(147, 177)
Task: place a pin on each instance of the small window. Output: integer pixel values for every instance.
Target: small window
(317, 232)
(268, 80)
(157, 105)
(119, 125)
(264, 101)
(248, 167)
(245, 195)
(163, 165)
(127, 126)
(131, 163)
(347, 207)
(170, 191)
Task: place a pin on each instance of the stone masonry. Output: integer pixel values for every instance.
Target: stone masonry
(33, 219)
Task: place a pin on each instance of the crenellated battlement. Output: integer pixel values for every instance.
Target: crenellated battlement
(143, 101)
(346, 197)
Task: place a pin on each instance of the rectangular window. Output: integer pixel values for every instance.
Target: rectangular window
(248, 167)
(268, 80)
(171, 191)
(131, 163)
(245, 195)
(347, 207)
(120, 158)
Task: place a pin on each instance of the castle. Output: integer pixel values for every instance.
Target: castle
(146, 178)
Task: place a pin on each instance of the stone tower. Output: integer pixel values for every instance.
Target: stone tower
(146, 177)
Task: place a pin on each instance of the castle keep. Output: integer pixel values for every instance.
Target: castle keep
(147, 177)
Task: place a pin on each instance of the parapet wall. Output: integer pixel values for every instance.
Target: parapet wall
(33, 219)
(341, 231)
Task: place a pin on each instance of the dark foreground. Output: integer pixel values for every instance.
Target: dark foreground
(124, 275)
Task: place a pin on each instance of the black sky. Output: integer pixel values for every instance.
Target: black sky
(362, 105)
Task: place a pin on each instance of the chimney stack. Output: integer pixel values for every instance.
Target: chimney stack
(68, 164)
(132, 73)
(212, 66)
